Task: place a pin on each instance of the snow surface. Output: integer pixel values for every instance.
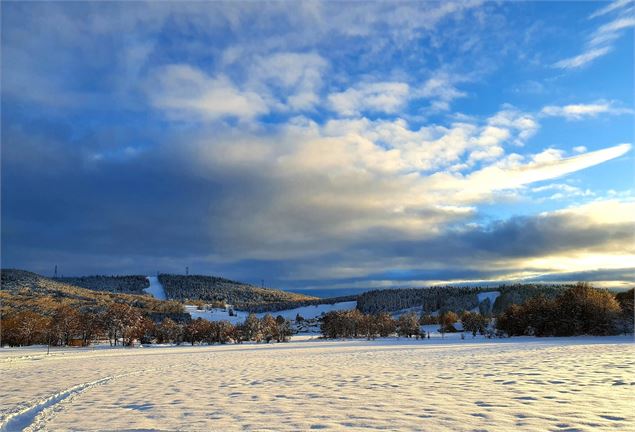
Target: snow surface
(155, 289)
(491, 295)
(314, 311)
(307, 312)
(582, 384)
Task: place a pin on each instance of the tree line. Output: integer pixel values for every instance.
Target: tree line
(355, 324)
(123, 324)
(451, 298)
(120, 323)
(266, 329)
(576, 310)
(215, 289)
(579, 310)
(130, 284)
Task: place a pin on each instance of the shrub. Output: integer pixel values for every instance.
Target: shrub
(579, 310)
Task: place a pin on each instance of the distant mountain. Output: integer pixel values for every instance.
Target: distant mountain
(179, 288)
(25, 289)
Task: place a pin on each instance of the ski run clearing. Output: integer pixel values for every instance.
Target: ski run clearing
(155, 289)
(551, 384)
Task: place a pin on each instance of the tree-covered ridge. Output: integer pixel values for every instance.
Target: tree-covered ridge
(26, 291)
(133, 284)
(451, 298)
(242, 296)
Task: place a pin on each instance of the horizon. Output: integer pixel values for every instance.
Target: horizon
(348, 292)
(320, 148)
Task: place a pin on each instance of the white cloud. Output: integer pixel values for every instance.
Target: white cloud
(582, 59)
(187, 93)
(580, 111)
(563, 191)
(440, 89)
(293, 79)
(385, 97)
(514, 172)
(599, 43)
(610, 31)
(611, 7)
(390, 96)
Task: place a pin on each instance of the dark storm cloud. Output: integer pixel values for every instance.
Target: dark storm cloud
(65, 207)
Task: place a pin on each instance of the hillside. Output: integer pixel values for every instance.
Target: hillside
(26, 291)
(452, 298)
(133, 284)
(242, 296)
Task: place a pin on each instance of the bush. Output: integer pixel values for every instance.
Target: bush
(353, 324)
(408, 325)
(474, 322)
(447, 321)
(579, 310)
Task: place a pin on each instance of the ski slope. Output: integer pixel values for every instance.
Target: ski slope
(155, 289)
(518, 384)
(490, 295)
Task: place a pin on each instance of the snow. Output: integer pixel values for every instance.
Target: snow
(155, 289)
(490, 295)
(582, 384)
(216, 314)
(307, 312)
(314, 311)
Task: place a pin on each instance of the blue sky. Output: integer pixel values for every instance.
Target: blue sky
(321, 146)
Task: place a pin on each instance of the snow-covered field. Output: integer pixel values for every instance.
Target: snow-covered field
(582, 384)
(307, 312)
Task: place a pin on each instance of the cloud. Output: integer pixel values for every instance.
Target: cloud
(441, 90)
(600, 42)
(293, 80)
(545, 247)
(611, 7)
(511, 173)
(610, 31)
(267, 142)
(392, 96)
(384, 97)
(580, 111)
(185, 93)
(562, 191)
(582, 59)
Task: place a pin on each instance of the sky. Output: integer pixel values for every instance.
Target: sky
(321, 147)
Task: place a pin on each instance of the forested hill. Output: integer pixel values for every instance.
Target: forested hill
(242, 296)
(27, 291)
(133, 284)
(451, 298)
